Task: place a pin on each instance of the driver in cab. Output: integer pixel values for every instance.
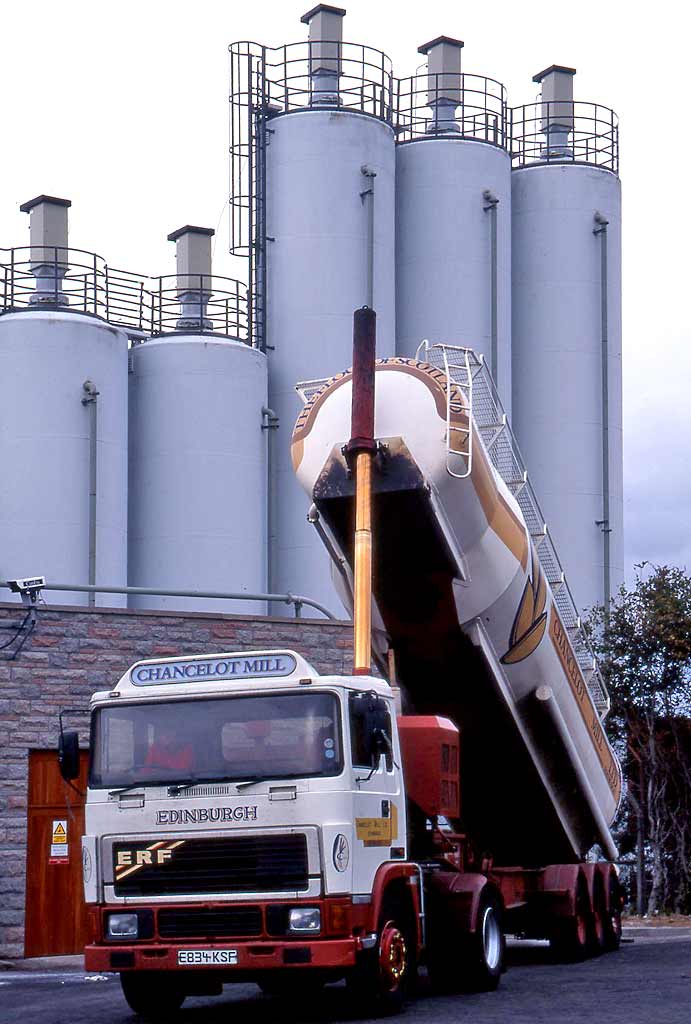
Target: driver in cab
(169, 752)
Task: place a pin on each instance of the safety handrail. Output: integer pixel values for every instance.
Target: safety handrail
(562, 131)
(297, 600)
(502, 448)
(78, 281)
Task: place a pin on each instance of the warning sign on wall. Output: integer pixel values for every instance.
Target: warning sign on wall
(59, 849)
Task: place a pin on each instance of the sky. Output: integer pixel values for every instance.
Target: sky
(123, 108)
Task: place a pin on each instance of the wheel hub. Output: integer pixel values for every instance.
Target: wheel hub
(491, 939)
(393, 955)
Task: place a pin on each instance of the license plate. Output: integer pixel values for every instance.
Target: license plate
(207, 957)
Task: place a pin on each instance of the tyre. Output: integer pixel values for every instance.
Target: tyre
(597, 942)
(382, 975)
(470, 963)
(486, 949)
(153, 995)
(613, 916)
(569, 939)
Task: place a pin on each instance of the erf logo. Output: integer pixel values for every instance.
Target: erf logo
(129, 861)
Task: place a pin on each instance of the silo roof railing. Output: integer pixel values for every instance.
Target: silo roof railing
(305, 75)
(565, 132)
(199, 304)
(266, 82)
(462, 106)
(51, 277)
(76, 281)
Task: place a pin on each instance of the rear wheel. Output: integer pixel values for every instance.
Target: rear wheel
(569, 940)
(598, 922)
(485, 950)
(153, 995)
(470, 963)
(613, 916)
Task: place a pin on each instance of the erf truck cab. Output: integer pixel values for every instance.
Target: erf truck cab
(246, 819)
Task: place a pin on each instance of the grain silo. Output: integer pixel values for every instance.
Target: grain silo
(318, 153)
(453, 211)
(63, 416)
(567, 382)
(197, 454)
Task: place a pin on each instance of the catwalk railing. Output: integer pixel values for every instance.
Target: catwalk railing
(565, 132)
(461, 106)
(73, 280)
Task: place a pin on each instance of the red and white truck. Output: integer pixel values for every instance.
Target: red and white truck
(250, 819)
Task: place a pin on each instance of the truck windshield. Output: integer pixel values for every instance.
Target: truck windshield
(270, 736)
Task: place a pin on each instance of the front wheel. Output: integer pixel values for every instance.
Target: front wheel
(379, 979)
(153, 995)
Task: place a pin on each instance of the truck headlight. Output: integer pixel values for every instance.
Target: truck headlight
(305, 919)
(122, 926)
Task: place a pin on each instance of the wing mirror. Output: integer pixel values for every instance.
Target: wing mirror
(68, 754)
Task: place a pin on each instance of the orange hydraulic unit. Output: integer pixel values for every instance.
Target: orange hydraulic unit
(430, 752)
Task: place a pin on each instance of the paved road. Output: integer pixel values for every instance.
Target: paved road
(646, 981)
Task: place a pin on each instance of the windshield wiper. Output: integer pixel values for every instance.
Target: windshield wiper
(244, 783)
(173, 787)
(126, 789)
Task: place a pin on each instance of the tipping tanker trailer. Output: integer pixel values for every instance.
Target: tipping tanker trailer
(250, 819)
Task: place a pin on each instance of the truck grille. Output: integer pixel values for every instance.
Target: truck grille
(230, 922)
(229, 864)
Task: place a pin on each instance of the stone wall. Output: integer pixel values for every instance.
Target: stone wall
(76, 651)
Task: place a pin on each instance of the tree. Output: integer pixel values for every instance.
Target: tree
(644, 645)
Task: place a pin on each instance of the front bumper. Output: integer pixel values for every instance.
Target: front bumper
(267, 946)
(252, 957)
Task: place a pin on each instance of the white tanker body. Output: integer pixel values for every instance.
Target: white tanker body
(454, 562)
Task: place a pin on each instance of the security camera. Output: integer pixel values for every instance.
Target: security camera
(29, 588)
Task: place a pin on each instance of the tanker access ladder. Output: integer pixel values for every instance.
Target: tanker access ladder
(470, 593)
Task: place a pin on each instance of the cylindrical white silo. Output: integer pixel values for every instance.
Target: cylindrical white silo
(45, 359)
(567, 330)
(197, 454)
(317, 270)
(453, 213)
(197, 471)
(63, 416)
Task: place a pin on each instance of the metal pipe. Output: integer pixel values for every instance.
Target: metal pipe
(362, 646)
(546, 698)
(90, 401)
(336, 557)
(604, 524)
(491, 203)
(270, 424)
(367, 196)
(297, 600)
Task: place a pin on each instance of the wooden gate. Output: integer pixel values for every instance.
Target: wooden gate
(55, 916)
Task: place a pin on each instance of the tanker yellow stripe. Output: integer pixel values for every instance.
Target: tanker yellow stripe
(572, 671)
